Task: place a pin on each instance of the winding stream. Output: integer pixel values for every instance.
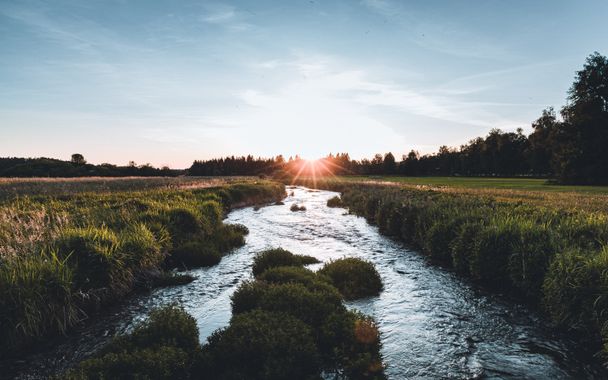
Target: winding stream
(432, 324)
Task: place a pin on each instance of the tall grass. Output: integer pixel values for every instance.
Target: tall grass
(65, 256)
(550, 254)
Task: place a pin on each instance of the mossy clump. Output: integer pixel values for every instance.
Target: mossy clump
(353, 277)
(295, 207)
(279, 257)
(262, 345)
(335, 201)
(165, 346)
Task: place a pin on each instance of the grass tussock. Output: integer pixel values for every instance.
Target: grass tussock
(279, 257)
(354, 278)
(90, 249)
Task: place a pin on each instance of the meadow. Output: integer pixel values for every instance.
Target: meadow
(81, 244)
(548, 249)
(534, 191)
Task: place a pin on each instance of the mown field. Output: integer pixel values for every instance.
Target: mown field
(547, 248)
(80, 244)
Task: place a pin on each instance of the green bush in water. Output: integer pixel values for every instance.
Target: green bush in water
(335, 201)
(278, 257)
(353, 277)
(310, 304)
(261, 345)
(92, 253)
(165, 346)
(350, 345)
(194, 254)
(35, 298)
(284, 275)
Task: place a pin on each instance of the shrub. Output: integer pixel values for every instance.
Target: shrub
(278, 257)
(335, 201)
(353, 277)
(248, 296)
(194, 254)
(261, 345)
(284, 275)
(312, 306)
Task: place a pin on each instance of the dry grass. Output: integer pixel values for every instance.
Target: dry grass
(571, 200)
(14, 187)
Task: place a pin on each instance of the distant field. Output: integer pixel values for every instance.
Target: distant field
(528, 184)
(518, 190)
(11, 187)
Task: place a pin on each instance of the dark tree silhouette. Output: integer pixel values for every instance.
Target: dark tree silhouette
(78, 159)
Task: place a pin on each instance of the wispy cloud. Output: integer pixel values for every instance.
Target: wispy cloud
(444, 36)
(226, 16)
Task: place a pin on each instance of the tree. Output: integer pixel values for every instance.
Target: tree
(389, 165)
(78, 159)
(582, 138)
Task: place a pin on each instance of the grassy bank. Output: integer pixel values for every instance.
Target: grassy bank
(551, 254)
(287, 323)
(64, 256)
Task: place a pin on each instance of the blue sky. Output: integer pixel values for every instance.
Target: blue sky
(167, 82)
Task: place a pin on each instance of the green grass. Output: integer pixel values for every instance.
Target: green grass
(548, 248)
(526, 184)
(65, 255)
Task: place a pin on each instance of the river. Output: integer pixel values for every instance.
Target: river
(432, 323)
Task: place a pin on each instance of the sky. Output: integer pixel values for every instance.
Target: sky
(168, 82)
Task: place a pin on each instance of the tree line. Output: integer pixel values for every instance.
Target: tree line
(568, 147)
(77, 167)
